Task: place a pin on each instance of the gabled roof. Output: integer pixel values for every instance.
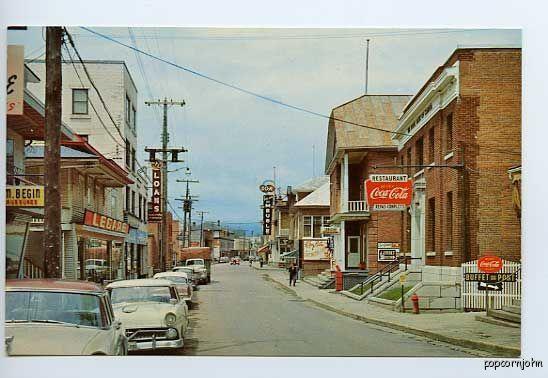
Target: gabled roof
(311, 184)
(378, 111)
(318, 198)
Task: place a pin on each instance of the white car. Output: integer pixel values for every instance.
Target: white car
(183, 284)
(190, 273)
(152, 313)
(47, 317)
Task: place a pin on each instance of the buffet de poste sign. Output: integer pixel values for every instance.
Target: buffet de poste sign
(388, 192)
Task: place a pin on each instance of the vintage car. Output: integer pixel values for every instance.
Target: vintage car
(59, 317)
(183, 284)
(235, 261)
(190, 273)
(152, 313)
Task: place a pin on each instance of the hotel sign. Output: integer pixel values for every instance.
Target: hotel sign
(268, 202)
(106, 223)
(25, 196)
(155, 211)
(388, 191)
(15, 79)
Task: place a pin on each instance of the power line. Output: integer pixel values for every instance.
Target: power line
(240, 89)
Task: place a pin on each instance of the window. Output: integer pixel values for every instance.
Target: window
(79, 101)
(128, 194)
(449, 133)
(89, 194)
(133, 202)
(432, 222)
(420, 153)
(133, 159)
(140, 206)
(113, 203)
(431, 155)
(449, 222)
(128, 110)
(317, 221)
(307, 223)
(128, 154)
(133, 118)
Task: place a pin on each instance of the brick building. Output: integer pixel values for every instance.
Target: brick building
(464, 135)
(352, 153)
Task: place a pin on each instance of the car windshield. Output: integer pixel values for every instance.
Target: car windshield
(194, 262)
(53, 307)
(174, 279)
(160, 294)
(186, 270)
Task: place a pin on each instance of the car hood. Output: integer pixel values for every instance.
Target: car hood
(32, 339)
(142, 314)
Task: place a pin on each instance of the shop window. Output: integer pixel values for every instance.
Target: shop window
(317, 226)
(80, 101)
(449, 222)
(113, 203)
(449, 133)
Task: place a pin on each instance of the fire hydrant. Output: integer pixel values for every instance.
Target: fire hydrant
(338, 279)
(415, 300)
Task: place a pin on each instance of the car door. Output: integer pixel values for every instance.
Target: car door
(119, 340)
(181, 309)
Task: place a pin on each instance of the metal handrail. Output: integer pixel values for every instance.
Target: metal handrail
(386, 271)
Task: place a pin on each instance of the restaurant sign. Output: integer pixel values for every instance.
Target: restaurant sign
(155, 210)
(106, 223)
(25, 196)
(385, 192)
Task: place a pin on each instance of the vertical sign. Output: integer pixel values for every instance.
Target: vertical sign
(155, 211)
(268, 201)
(15, 79)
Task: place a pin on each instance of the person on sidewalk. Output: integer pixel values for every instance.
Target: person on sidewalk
(293, 273)
(261, 262)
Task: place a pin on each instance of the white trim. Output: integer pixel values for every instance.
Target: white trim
(430, 254)
(448, 253)
(449, 155)
(419, 173)
(439, 93)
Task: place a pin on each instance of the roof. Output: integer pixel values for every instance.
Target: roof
(311, 184)
(54, 284)
(170, 274)
(377, 111)
(319, 197)
(140, 282)
(37, 152)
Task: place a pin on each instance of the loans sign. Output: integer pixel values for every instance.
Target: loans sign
(388, 191)
(16, 79)
(490, 264)
(155, 211)
(25, 196)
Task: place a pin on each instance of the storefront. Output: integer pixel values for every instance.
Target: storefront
(136, 243)
(99, 242)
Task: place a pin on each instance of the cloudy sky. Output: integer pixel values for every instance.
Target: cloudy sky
(236, 139)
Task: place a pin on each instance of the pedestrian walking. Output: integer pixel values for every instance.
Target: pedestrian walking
(293, 273)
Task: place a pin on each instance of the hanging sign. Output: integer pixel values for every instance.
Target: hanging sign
(268, 202)
(25, 196)
(155, 210)
(388, 192)
(490, 264)
(15, 79)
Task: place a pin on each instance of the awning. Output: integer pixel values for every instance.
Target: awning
(263, 249)
(290, 254)
(99, 233)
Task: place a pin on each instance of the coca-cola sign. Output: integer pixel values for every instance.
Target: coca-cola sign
(490, 264)
(388, 192)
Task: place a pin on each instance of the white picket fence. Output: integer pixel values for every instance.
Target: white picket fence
(474, 299)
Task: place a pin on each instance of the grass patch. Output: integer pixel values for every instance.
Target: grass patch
(358, 290)
(394, 293)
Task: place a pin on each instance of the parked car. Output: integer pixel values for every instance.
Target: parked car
(235, 261)
(152, 313)
(190, 273)
(58, 317)
(224, 259)
(183, 284)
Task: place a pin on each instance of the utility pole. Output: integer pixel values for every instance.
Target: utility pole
(202, 226)
(165, 139)
(52, 154)
(187, 209)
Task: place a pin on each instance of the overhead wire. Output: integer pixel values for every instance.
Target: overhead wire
(240, 89)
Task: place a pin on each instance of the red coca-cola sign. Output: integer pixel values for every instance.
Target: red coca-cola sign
(389, 190)
(490, 264)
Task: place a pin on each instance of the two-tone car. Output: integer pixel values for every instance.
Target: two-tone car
(48, 317)
(153, 314)
(183, 284)
(194, 277)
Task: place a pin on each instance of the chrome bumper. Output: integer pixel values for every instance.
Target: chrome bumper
(151, 345)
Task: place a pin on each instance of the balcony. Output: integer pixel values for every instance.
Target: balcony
(357, 207)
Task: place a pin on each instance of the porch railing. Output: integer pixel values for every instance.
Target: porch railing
(357, 206)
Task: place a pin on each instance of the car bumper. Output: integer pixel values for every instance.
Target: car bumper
(151, 345)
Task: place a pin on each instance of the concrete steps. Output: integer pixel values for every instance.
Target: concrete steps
(505, 315)
(321, 281)
(495, 321)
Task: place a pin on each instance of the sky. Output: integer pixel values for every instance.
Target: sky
(235, 139)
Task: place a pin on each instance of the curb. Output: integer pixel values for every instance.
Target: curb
(499, 350)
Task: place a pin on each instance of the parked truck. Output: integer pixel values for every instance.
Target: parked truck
(199, 259)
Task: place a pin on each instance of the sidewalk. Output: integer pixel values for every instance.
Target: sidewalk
(455, 328)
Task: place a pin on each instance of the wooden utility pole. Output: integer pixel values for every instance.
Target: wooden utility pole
(52, 154)
(202, 226)
(165, 139)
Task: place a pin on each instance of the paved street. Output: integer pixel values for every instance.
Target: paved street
(242, 314)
